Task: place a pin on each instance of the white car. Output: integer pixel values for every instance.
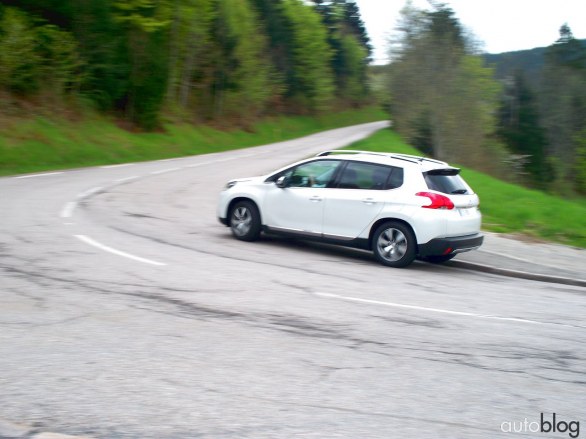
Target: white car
(399, 206)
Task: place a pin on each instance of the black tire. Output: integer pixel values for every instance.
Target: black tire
(437, 259)
(394, 244)
(245, 221)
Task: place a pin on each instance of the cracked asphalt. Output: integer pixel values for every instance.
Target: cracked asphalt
(201, 335)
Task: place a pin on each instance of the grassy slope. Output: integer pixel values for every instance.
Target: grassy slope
(43, 144)
(507, 207)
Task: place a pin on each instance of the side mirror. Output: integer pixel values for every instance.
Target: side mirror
(282, 182)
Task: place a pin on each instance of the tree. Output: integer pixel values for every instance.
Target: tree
(311, 78)
(61, 65)
(350, 46)
(36, 58)
(242, 84)
(563, 102)
(580, 167)
(103, 47)
(19, 60)
(190, 49)
(203, 59)
(520, 129)
(442, 97)
(145, 23)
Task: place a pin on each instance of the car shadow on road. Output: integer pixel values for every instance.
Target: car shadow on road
(336, 253)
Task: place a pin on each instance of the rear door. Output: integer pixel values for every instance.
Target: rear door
(356, 199)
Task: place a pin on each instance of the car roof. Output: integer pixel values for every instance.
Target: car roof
(384, 158)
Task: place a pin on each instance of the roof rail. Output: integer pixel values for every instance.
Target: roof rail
(406, 157)
(349, 151)
(418, 158)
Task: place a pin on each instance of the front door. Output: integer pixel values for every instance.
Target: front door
(299, 207)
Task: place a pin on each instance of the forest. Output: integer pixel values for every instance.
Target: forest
(521, 119)
(201, 60)
(234, 62)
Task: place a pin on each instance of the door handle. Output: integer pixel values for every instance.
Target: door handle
(369, 201)
(316, 199)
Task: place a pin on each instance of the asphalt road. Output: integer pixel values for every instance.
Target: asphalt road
(128, 311)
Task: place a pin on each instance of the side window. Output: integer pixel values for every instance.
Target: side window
(313, 174)
(396, 179)
(358, 175)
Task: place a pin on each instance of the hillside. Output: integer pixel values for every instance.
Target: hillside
(529, 61)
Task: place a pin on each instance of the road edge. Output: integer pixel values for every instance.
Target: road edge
(517, 274)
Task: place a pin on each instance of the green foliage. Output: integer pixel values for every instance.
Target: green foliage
(563, 102)
(351, 48)
(144, 23)
(543, 108)
(442, 97)
(146, 15)
(19, 60)
(242, 86)
(313, 84)
(104, 49)
(61, 64)
(230, 61)
(350, 69)
(191, 54)
(148, 79)
(520, 129)
(580, 169)
(34, 57)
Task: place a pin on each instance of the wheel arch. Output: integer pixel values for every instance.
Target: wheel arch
(236, 200)
(380, 221)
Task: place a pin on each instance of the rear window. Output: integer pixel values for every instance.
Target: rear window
(447, 181)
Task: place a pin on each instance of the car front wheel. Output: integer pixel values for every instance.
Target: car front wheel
(394, 244)
(245, 221)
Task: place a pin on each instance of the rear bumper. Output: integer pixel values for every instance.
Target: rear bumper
(449, 246)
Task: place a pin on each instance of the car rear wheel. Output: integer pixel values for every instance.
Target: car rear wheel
(245, 221)
(394, 244)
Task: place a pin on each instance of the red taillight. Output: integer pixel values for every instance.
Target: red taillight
(437, 201)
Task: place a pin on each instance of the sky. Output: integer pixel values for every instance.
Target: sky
(502, 25)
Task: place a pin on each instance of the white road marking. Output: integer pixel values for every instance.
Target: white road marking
(125, 179)
(163, 171)
(44, 174)
(195, 165)
(442, 311)
(89, 192)
(105, 248)
(68, 209)
(121, 165)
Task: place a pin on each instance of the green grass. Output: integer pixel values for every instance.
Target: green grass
(43, 144)
(507, 207)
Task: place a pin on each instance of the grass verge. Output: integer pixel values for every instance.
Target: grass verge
(43, 144)
(507, 208)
